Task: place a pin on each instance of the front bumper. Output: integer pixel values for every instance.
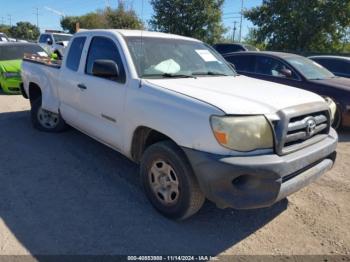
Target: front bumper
(260, 181)
(11, 86)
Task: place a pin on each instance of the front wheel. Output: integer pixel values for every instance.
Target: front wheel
(44, 120)
(169, 181)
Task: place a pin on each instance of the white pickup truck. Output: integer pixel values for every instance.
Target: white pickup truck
(197, 128)
(54, 42)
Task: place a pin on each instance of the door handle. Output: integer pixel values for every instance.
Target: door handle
(82, 86)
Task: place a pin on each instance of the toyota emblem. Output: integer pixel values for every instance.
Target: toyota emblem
(310, 127)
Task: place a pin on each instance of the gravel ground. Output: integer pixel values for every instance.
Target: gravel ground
(67, 194)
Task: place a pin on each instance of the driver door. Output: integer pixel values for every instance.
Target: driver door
(101, 100)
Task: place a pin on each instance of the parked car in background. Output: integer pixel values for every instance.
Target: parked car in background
(297, 71)
(11, 55)
(226, 48)
(197, 129)
(338, 65)
(4, 38)
(54, 42)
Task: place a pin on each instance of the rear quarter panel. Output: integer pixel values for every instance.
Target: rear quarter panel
(47, 78)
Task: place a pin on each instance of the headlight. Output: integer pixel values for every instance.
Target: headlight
(12, 75)
(332, 106)
(243, 133)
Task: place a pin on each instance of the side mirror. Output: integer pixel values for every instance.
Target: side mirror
(106, 69)
(286, 72)
(49, 41)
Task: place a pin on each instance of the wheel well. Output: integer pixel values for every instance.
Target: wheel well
(34, 92)
(143, 138)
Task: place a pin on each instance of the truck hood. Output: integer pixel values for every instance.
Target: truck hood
(239, 95)
(12, 66)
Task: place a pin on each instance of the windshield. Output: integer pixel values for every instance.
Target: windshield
(159, 58)
(16, 52)
(310, 69)
(62, 38)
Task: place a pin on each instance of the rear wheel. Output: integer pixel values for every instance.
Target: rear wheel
(169, 181)
(44, 120)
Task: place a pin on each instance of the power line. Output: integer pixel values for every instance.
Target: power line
(232, 17)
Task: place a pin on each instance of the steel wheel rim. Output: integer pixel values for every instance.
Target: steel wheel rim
(47, 119)
(164, 182)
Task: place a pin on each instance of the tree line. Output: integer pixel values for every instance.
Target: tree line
(285, 25)
(22, 30)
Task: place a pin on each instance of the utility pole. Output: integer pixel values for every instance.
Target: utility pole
(10, 19)
(240, 26)
(2, 20)
(37, 16)
(234, 31)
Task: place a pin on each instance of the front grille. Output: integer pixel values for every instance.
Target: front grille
(298, 128)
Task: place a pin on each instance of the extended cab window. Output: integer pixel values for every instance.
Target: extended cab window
(75, 51)
(102, 48)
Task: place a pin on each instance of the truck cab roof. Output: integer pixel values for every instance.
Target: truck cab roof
(137, 33)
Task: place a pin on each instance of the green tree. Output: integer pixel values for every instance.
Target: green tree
(68, 23)
(299, 25)
(120, 18)
(24, 30)
(252, 39)
(200, 19)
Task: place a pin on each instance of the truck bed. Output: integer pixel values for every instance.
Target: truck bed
(47, 61)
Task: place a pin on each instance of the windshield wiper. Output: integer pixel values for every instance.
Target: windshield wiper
(209, 73)
(168, 75)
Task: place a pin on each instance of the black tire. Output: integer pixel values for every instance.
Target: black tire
(35, 107)
(190, 198)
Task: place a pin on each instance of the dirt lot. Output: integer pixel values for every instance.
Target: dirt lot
(67, 194)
